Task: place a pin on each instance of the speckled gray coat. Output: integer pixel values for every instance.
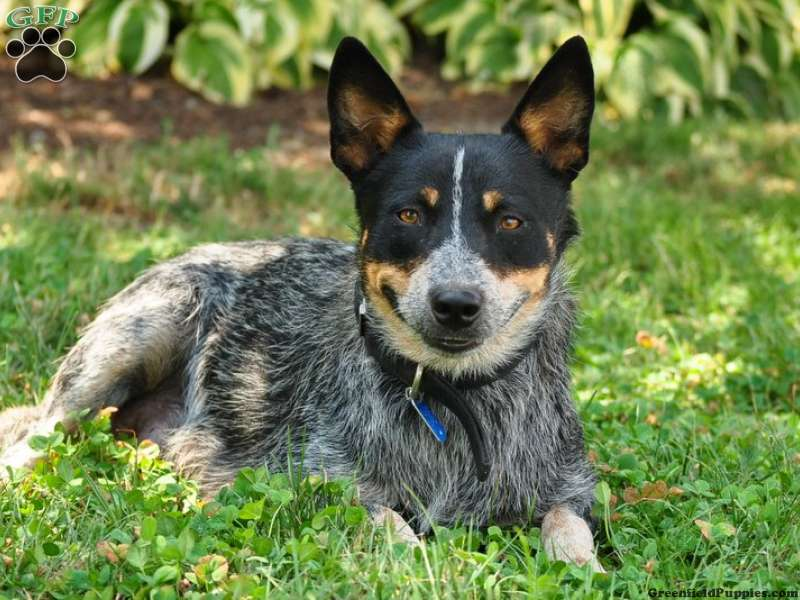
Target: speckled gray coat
(246, 354)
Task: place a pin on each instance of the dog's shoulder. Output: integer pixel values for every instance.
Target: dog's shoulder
(253, 255)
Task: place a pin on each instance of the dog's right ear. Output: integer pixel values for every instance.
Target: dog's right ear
(368, 113)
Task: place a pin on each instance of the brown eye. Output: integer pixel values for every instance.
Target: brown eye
(510, 223)
(408, 216)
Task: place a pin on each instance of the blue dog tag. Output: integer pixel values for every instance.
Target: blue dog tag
(431, 420)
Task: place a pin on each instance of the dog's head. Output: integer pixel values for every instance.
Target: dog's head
(460, 233)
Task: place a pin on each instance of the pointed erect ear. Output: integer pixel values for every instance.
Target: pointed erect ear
(368, 113)
(555, 113)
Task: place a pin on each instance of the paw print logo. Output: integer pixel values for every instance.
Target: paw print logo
(40, 54)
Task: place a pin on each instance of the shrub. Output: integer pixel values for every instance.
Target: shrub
(226, 49)
(674, 56)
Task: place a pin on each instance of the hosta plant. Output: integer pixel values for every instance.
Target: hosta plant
(226, 49)
(675, 56)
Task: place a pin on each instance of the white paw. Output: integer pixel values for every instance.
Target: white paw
(567, 537)
(396, 525)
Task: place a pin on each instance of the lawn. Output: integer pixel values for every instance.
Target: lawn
(686, 375)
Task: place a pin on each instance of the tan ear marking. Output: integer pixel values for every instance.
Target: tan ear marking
(364, 237)
(377, 122)
(353, 154)
(548, 126)
(430, 195)
(491, 199)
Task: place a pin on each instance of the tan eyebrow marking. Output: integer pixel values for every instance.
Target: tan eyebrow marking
(491, 199)
(431, 195)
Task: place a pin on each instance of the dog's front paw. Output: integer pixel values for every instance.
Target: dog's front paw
(567, 537)
(398, 529)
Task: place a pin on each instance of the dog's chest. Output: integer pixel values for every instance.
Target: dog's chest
(401, 463)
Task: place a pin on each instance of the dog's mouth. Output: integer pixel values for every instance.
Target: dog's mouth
(460, 345)
(453, 345)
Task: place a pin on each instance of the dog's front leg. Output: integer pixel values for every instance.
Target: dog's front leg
(383, 516)
(567, 537)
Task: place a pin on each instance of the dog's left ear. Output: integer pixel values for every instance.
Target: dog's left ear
(368, 113)
(555, 113)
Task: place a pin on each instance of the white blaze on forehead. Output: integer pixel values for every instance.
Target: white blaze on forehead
(458, 168)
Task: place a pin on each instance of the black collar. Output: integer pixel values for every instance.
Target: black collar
(434, 386)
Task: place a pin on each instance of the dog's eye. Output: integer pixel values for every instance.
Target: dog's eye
(510, 223)
(408, 216)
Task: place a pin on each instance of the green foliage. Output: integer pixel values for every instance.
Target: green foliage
(689, 233)
(226, 49)
(154, 534)
(137, 33)
(673, 57)
(211, 58)
(678, 57)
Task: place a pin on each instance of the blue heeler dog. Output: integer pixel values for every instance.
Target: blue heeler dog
(430, 360)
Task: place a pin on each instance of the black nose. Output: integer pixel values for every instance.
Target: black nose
(456, 308)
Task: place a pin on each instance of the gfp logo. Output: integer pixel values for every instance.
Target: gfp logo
(25, 16)
(40, 53)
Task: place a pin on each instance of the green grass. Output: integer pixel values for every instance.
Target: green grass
(687, 373)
